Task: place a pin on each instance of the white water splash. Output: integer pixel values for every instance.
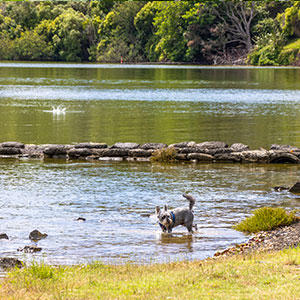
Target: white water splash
(58, 110)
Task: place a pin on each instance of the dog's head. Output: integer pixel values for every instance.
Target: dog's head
(164, 217)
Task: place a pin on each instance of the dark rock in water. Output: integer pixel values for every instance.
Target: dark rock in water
(250, 156)
(201, 157)
(153, 146)
(183, 145)
(280, 157)
(10, 151)
(10, 262)
(188, 150)
(125, 146)
(3, 236)
(283, 147)
(140, 153)
(35, 235)
(181, 157)
(238, 147)
(80, 152)
(228, 157)
(12, 145)
(115, 152)
(215, 151)
(91, 145)
(33, 151)
(295, 188)
(52, 150)
(212, 145)
(81, 219)
(280, 188)
(30, 249)
(145, 215)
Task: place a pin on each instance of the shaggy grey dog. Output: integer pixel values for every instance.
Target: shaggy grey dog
(179, 216)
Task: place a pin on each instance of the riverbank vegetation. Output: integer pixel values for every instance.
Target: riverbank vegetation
(203, 32)
(255, 276)
(265, 219)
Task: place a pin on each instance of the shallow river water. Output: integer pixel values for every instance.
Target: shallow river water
(66, 103)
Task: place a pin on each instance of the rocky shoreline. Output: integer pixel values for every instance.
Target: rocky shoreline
(276, 239)
(205, 152)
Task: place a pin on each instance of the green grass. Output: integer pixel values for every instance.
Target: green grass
(259, 276)
(266, 218)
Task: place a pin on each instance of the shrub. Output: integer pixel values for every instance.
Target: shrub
(164, 155)
(266, 218)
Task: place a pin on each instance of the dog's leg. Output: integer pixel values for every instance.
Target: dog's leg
(190, 228)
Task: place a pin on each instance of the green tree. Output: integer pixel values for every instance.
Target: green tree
(290, 20)
(202, 43)
(31, 46)
(170, 27)
(24, 13)
(118, 35)
(146, 37)
(67, 35)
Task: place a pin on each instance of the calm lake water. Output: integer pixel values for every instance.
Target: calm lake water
(113, 103)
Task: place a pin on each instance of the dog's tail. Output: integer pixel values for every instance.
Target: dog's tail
(191, 199)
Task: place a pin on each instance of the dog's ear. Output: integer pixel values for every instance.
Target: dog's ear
(166, 207)
(157, 209)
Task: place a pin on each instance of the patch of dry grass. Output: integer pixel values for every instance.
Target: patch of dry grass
(164, 155)
(259, 276)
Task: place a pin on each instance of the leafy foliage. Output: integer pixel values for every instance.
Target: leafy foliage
(207, 32)
(266, 218)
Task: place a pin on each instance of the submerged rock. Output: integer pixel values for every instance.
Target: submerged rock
(35, 235)
(10, 262)
(295, 188)
(91, 145)
(201, 157)
(30, 249)
(3, 236)
(280, 188)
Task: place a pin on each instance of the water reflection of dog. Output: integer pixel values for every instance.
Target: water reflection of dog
(178, 239)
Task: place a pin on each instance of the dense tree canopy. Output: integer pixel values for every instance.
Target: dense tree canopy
(206, 32)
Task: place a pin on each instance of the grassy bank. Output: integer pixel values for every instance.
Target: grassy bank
(259, 276)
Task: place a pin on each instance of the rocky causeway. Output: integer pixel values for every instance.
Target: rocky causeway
(204, 152)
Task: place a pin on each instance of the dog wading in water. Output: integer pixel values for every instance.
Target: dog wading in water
(179, 216)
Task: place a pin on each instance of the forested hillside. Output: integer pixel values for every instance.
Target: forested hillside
(204, 32)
